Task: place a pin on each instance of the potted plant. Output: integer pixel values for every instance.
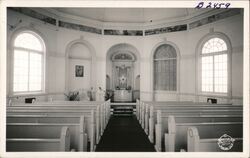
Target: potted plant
(73, 96)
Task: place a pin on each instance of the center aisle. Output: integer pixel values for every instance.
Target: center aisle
(124, 134)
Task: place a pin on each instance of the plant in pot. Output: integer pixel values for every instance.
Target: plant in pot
(73, 96)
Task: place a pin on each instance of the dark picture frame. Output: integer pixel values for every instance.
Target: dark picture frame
(79, 71)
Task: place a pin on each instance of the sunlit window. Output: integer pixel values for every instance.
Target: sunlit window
(165, 68)
(214, 66)
(28, 74)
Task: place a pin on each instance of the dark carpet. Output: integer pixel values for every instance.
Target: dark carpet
(124, 134)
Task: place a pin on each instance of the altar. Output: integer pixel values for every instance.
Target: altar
(122, 95)
(122, 80)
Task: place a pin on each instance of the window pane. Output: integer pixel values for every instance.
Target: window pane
(28, 63)
(165, 51)
(220, 70)
(207, 74)
(27, 40)
(21, 61)
(165, 68)
(35, 69)
(214, 45)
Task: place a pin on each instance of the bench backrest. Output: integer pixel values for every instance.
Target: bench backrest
(49, 103)
(217, 129)
(60, 143)
(49, 130)
(153, 116)
(199, 144)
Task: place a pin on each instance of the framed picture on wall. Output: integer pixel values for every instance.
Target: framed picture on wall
(79, 71)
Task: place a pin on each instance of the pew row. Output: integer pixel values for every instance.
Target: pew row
(153, 117)
(103, 113)
(61, 142)
(92, 121)
(143, 108)
(26, 125)
(96, 117)
(176, 138)
(147, 115)
(198, 144)
(58, 102)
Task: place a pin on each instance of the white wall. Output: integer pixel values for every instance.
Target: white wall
(57, 40)
(76, 83)
(80, 55)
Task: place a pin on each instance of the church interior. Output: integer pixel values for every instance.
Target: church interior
(124, 79)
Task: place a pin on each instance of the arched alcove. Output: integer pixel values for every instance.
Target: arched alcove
(123, 65)
(165, 69)
(80, 65)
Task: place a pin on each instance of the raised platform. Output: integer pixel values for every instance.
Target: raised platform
(123, 108)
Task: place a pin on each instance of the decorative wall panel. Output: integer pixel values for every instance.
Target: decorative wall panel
(215, 17)
(34, 14)
(166, 29)
(124, 32)
(79, 27)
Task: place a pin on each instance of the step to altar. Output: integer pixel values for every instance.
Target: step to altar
(123, 108)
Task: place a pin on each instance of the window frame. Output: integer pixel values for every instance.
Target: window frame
(43, 62)
(155, 91)
(199, 56)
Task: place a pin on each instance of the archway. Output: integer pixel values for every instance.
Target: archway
(80, 65)
(123, 66)
(165, 77)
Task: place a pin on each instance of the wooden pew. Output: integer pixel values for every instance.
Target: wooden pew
(102, 113)
(197, 143)
(76, 126)
(89, 120)
(140, 105)
(143, 107)
(65, 105)
(151, 116)
(62, 102)
(148, 118)
(95, 126)
(61, 142)
(176, 138)
(162, 125)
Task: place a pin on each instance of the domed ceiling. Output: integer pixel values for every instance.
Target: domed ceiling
(130, 15)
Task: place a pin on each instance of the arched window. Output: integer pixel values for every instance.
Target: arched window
(28, 63)
(214, 65)
(165, 68)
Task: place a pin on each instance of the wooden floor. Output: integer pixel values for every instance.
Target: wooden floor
(124, 134)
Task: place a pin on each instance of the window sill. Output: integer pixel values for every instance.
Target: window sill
(27, 94)
(213, 94)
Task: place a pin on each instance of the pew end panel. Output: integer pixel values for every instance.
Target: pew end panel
(196, 144)
(207, 130)
(65, 139)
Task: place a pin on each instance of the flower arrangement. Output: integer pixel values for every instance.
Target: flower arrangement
(73, 96)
